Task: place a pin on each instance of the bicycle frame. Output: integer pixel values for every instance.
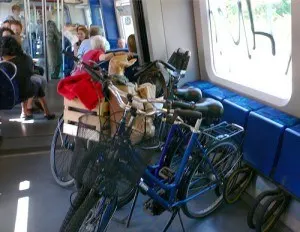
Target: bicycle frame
(149, 179)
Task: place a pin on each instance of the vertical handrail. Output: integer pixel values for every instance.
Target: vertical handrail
(62, 34)
(44, 17)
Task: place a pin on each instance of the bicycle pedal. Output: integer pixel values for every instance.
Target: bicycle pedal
(153, 208)
(166, 173)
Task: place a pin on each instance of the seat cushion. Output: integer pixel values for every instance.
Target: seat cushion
(199, 84)
(287, 171)
(237, 109)
(218, 93)
(263, 138)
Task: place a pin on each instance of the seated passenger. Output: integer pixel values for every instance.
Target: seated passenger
(6, 24)
(121, 43)
(82, 34)
(131, 48)
(10, 50)
(92, 56)
(86, 46)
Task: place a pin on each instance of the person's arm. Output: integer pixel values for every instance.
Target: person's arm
(106, 57)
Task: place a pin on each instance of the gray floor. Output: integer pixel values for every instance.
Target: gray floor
(25, 136)
(48, 202)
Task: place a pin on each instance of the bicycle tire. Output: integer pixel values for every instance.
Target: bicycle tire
(268, 217)
(80, 214)
(53, 153)
(234, 183)
(256, 205)
(79, 199)
(183, 192)
(215, 160)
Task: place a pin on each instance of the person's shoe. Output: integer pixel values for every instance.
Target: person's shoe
(49, 116)
(28, 117)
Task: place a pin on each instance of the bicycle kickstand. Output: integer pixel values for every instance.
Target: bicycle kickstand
(175, 212)
(132, 207)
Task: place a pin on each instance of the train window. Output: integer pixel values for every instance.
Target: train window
(251, 44)
(124, 17)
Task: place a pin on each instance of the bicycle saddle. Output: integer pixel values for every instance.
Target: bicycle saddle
(210, 108)
(188, 94)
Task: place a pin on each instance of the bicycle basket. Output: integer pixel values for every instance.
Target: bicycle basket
(87, 139)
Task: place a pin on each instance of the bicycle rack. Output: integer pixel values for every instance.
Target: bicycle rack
(267, 209)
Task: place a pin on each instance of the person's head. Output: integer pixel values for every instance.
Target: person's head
(16, 10)
(131, 43)
(121, 43)
(6, 24)
(82, 33)
(6, 32)
(16, 27)
(98, 42)
(95, 30)
(9, 46)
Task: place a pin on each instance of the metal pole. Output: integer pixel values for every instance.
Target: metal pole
(29, 28)
(58, 14)
(62, 35)
(44, 19)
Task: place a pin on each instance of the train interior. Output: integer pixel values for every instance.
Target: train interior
(240, 54)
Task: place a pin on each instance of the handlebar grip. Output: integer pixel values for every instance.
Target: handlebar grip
(188, 113)
(167, 65)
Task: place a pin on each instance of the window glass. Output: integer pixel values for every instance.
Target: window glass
(251, 43)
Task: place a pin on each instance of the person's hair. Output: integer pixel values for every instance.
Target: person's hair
(15, 7)
(131, 43)
(85, 30)
(18, 23)
(98, 42)
(7, 21)
(4, 29)
(9, 46)
(95, 30)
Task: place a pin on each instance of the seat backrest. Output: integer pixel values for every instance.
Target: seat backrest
(8, 92)
(180, 59)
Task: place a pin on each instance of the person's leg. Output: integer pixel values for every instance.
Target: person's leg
(47, 113)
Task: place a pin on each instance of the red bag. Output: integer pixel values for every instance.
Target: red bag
(82, 87)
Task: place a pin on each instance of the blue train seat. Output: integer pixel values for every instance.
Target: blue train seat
(199, 84)
(218, 93)
(237, 109)
(263, 138)
(9, 94)
(288, 171)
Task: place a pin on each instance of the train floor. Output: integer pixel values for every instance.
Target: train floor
(30, 201)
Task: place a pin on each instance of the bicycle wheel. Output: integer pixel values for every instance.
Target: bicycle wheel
(270, 212)
(200, 177)
(252, 214)
(93, 215)
(62, 147)
(79, 199)
(236, 184)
